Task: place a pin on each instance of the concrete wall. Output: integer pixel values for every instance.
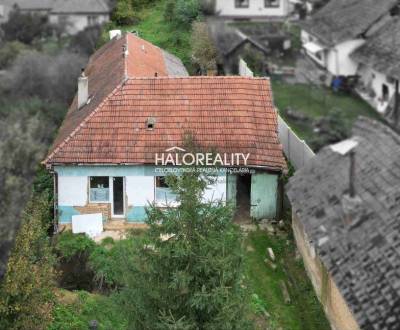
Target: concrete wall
(335, 307)
(77, 22)
(256, 8)
(73, 190)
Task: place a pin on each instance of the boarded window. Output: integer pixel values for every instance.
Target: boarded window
(99, 189)
(164, 194)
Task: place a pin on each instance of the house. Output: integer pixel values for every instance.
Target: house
(125, 131)
(252, 9)
(41, 7)
(346, 212)
(339, 28)
(73, 15)
(76, 15)
(379, 67)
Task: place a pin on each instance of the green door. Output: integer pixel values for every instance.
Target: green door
(263, 195)
(231, 189)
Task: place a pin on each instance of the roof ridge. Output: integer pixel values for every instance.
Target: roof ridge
(87, 118)
(199, 77)
(125, 55)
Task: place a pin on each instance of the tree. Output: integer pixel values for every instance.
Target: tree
(204, 53)
(186, 11)
(25, 27)
(186, 273)
(26, 296)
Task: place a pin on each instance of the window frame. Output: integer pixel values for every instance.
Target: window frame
(109, 190)
(267, 4)
(239, 6)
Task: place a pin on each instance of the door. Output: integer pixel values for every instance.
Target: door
(118, 208)
(263, 196)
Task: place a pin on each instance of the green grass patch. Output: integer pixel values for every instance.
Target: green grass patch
(304, 311)
(316, 102)
(76, 309)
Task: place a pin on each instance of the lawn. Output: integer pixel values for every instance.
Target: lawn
(316, 102)
(304, 312)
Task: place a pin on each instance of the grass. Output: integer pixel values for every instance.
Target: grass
(165, 34)
(304, 312)
(316, 102)
(75, 309)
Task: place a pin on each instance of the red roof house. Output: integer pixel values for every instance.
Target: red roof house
(135, 105)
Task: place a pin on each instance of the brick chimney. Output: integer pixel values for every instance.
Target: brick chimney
(83, 90)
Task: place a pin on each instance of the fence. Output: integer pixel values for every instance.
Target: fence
(295, 149)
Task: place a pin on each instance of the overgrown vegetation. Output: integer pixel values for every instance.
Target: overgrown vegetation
(26, 294)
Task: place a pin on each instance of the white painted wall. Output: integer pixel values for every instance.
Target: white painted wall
(338, 61)
(256, 8)
(375, 80)
(139, 190)
(75, 22)
(72, 190)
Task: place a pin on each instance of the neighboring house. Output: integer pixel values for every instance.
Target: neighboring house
(42, 7)
(340, 27)
(379, 65)
(76, 15)
(346, 212)
(135, 104)
(248, 9)
(73, 15)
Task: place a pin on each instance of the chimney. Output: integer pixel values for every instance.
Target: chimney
(83, 89)
(115, 34)
(125, 50)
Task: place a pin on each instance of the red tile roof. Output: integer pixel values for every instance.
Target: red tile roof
(227, 114)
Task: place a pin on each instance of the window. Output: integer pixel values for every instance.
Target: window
(242, 3)
(164, 194)
(271, 3)
(63, 20)
(99, 189)
(385, 93)
(93, 20)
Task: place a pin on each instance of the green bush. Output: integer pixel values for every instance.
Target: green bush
(186, 11)
(9, 52)
(124, 13)
(69, 245)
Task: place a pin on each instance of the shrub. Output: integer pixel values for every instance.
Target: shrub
(9, 52)
(204, 53)
(27, 292)
(186, 11)
(86, 41)
(124, 13)
(69, 245)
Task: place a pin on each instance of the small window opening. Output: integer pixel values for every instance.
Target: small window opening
(151, 122)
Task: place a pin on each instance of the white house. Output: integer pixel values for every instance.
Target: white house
(252, 8)
(125, 132)
(76, 15)
(339, 28)
(379, 66)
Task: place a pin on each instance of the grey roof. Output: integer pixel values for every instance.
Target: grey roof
(80, 6)
(30, 4)
(342, 20)
(382, 49)
(358, 240)
(174, 65)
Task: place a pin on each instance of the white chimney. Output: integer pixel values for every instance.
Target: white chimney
(115, 34)
(83, 90)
